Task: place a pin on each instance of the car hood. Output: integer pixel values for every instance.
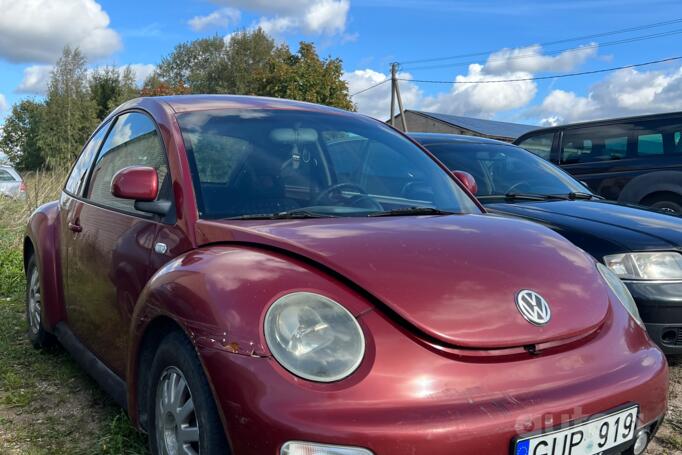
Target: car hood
(632, 228)
(455, 278)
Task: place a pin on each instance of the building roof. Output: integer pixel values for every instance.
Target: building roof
(487, 127)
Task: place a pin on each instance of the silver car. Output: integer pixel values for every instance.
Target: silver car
(11, 184)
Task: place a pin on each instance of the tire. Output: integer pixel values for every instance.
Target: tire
(35, 310)
(175, 428)
(669, 202)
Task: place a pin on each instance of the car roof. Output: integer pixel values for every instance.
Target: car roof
(431, 138)
(188, 103)
(605, 121)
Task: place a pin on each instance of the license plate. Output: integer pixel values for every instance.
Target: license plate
(589, 438)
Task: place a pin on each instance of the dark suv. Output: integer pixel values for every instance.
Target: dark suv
(635, 160)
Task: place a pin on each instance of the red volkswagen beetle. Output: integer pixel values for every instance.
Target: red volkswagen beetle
(259, 276)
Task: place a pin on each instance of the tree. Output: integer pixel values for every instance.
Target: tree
(19, 141)
(196, 63)
(249, 63)
(247, 55)
(110, 87)
(70, 114)
(304, 76)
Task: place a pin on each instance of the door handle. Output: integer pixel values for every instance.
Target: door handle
(75, 227)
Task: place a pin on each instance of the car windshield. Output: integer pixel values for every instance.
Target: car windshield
(501, 169)
(296, 164)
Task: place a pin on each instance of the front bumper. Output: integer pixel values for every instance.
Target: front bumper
(660, 305)
(408, 397)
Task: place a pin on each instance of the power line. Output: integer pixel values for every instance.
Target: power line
(370, 87)
(558, 76)
(550, 43)
(555, 52)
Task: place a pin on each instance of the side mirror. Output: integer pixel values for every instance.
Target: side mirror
(467, 180)
(140, 184)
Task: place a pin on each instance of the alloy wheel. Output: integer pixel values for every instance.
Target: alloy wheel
(34, 302)
(177, 428)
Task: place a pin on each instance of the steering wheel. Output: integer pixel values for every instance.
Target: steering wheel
(516, 185)
(334, 194)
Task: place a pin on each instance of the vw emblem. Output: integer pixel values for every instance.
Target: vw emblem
(533, 307)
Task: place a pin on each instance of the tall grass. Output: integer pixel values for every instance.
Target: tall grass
(41, 187)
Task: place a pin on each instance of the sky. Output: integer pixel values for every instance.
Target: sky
(452, 42)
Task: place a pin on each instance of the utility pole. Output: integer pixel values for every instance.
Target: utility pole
(395, 93)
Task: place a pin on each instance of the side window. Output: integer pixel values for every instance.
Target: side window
(540, 145)
(650, 144)
(76, 182)
(677, 138)
(601, 143)
(6, 176)
(133, 141)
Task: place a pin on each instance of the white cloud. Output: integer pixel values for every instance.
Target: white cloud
(37, 30)
(142, 71)
(327, 17)
(475, 93)
(483, 99)
(35, 81)
(3, 103)
(377, 101)
(530, 59)
(221, 18)
(623, 93)
(315, 17)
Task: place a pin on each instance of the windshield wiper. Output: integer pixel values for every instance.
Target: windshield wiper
(583, 195)
(412, 211)
(287, 215)
(534, 197)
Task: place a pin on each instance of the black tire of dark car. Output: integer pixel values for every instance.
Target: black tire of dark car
(668, 202)
(39, 337)
(176, 353)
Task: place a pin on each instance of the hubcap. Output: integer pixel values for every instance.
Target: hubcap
(177, 429)
(34, 302)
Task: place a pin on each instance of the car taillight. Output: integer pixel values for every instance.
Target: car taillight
(22, 187)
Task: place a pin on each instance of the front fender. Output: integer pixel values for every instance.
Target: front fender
(219, 295)
(42, 239)
(660, 181)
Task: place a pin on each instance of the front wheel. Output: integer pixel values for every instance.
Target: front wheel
(37, 334)
(184, 419)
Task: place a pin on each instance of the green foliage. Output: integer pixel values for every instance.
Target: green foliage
(20, 138)
(110, 87)
(250, 64)
(11, 266)
(304, 76)
(71, 113)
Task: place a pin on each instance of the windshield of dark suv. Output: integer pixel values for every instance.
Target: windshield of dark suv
(253, 163)
(506, 170)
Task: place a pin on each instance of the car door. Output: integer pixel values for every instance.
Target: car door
(601, 156)
(9, 185)
(109, 242)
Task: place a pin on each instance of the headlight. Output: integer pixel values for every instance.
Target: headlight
(621, 292)
(314, 337)
(665, 265)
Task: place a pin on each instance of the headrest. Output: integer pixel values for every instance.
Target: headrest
(293, 136)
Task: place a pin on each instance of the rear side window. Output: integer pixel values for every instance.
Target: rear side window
(76, 181)
(601, 143)
(6, 176)
(540, 145)
(677, 142)
(650, 144)
(133, 141)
